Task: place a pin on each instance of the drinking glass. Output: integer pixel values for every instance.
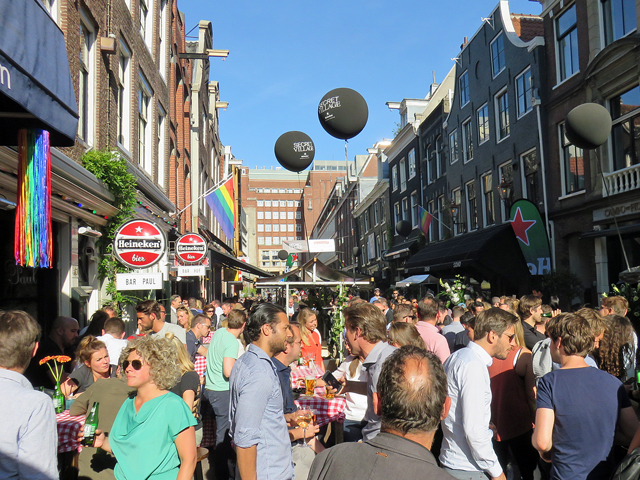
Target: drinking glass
(310, 385)
(303, 419)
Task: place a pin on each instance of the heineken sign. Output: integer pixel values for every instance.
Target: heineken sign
(191, 248)
(139, 244)
(532, 237)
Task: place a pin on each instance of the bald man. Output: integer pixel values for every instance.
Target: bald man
(61, 341)
(411, 400)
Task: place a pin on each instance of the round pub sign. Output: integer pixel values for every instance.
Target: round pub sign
(191, 248)
(139, 244)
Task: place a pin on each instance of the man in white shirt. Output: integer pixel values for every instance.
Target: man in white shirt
(113, 337)
(176, 301)
(467, 452)
(150, 321)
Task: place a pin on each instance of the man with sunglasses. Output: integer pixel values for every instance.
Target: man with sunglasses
(200, 327)
(467, 450)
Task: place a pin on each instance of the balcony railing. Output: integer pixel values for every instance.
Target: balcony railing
(621, 181)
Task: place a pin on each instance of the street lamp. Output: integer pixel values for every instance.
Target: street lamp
(454, 208)
(505, 189)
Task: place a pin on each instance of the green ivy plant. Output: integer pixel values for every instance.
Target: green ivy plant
(111, 168)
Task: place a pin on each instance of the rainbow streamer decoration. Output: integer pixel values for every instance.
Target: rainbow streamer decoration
(424, 218)
(222, 202)
(33, 245)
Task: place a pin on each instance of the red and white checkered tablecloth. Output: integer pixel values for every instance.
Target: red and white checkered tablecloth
(68, 429)
(299, 372)
(328, 410)
(200, 364)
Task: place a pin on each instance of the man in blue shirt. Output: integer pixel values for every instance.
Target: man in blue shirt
(258, 427)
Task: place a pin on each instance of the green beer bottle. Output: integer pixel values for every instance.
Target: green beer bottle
(58, 399)
(90, 426)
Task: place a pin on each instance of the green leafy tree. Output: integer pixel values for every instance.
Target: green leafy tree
(563, 283)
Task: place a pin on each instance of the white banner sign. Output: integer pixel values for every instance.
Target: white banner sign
(295, 246)
(139, 281)
(323, 245)
(192, 271)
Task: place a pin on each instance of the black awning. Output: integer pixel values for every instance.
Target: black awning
(233, 262)
(35, 82)
(490, 251)
(609, 232)
(400, 250)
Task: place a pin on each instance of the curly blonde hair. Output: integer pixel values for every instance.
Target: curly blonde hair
(160, 355)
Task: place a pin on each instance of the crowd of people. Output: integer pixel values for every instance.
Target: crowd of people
(483, 389)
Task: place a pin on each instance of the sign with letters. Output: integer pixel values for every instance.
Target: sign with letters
(139, 281)
(139, 244)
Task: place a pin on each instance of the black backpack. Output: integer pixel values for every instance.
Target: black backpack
(629, 468)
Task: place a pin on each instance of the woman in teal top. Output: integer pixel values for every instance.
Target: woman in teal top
(152, 436)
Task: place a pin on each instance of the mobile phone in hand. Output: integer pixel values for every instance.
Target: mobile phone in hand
(331, 380)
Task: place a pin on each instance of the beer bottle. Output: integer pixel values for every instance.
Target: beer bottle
(58, 399)
(90, 426)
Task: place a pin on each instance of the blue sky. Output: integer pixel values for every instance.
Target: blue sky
(285, 55)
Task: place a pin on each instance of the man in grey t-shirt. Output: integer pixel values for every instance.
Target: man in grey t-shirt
(150, 321)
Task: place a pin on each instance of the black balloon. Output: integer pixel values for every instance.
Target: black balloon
(283, 254)
(403, 227)
(356, 251)
(343, 113)
(294, 150)
(588, 126)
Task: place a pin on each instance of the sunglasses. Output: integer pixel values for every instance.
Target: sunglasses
(136, 364)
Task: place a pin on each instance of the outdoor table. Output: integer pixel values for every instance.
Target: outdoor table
(328, 410)
(299, 372)
(68, 429)
(200, 363)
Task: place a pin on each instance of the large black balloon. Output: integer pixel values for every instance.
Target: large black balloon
(294, 150)
(403, 227)
(343, 113)
(283, 254)
(588, 126)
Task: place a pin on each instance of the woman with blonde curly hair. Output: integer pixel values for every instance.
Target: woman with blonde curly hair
(184, 317)
(93, 359)
(152, 436)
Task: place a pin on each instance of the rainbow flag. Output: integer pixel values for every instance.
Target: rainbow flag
(424, 218)
(222, 202)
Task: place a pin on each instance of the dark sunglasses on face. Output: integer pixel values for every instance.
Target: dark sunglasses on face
(136, 364)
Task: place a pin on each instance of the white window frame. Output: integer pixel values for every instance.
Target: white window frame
(124, 97)
(501, 168)
(412, 163)
(88, 103)
(496, 106)
(275, 215)
(290, 215)
(260, 203)
(467, 140)
(260, 240)
(485, 219)
(403, 174)
(414, 209)
(267, 203)
(145, 115)
(454, 147)
(463, 84)
(527, 95)
(405, 208)
(298, 215)
(394, 178)
(559, 76)
(499, 36)
(163, 36)
(483, 126)
(268, 241)
(468, 204)
(146, 24)
(291, 227)
(260, 216)
(267, 215)
(456, 197)
(260, 227)
(161, 147)
(267, 227)
(397, 213)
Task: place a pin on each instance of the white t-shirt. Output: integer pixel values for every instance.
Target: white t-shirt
(114, 347)
(356, 402)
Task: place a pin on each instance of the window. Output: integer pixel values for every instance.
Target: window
(260, 240)
(260, 215)
(86, 80)
(403, 175)
(162, 39)
(497, 54)
(267, 203)
(472, 205)
(276, 240)
(261, 227)
(431, 209)
(463, 82)
(267, 227)
(619, 17)
(396, 214)
(457, 216)
(377, 246)
(625, 134)
(276, 227)
(524, 91)
(530, 167)
(296, 203)
(145, 159)
(502, 115)
(124, 95)
(260, 203)
(267, 190)
(280, 190)
(405, 208)
(376, 216)
(483, 123)
(260, 190)
(283, 203)
(394, 178)
(289, 215)
(298, 215)
(289, 203)
(366, 222)
(268, 241)
(488, 205)
(453, 146)
(267, 215)
(414, 209)
(146, 21)
(162, 139)
(289, 190)
(298, 227)
(572, 165)
(467, 141)
(432, 164)
(567, 43)
(52, 7)
(275, 215)
(290, 227)
(505, 172)
(439, 217)
(412, 163)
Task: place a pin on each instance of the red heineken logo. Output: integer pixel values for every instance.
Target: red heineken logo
(139, 244)
(191, 248)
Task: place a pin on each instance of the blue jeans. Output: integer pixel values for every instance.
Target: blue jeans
(353, 430)
(222, 452)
